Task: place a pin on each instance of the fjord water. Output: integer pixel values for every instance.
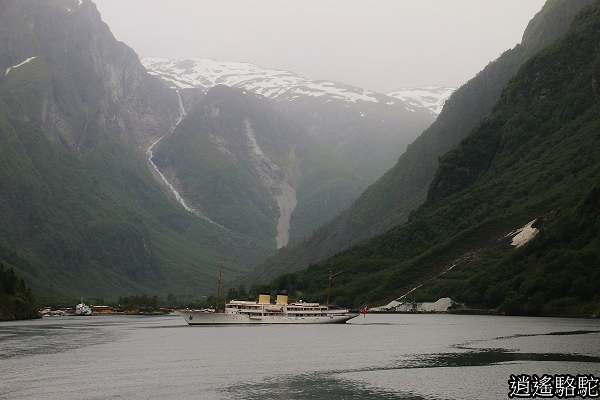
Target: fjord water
(377, 357)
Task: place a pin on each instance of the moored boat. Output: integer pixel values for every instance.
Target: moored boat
(83, 309)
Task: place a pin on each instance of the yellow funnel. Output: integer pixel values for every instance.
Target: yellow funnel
(282, 299)
(264, 299)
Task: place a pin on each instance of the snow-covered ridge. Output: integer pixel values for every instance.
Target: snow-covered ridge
(429, 97)
(272, 83)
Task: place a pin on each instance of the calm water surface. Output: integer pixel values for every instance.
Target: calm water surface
(377, 357)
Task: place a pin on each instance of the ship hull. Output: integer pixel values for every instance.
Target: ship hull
(208, 318)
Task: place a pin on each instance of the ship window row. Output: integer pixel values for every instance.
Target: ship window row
(279, 313)
(304, 315)
(245, 307)
(260, 307)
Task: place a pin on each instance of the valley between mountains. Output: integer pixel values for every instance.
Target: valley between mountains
(301, 166)
(123, 175)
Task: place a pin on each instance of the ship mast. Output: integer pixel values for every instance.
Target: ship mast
(331, 276)
(219, 292)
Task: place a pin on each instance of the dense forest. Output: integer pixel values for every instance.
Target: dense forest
(16, 299)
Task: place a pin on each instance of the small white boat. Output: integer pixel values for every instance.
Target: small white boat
(83, 309)
(264, 312)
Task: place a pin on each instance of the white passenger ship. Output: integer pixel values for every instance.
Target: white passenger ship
(264, 312)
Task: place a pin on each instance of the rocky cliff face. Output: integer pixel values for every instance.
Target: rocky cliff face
(85, 83)
(81, 211)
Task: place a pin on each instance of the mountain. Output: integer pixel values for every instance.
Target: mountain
(511, 219)
(235, 161)
(391, 199)
(430, 97)
(82, 212)
(274, 84)
(105, 189)
(272, 155)
(73, 108)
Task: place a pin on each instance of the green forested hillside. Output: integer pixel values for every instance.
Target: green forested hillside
(390, 200)
(96, 223)
(234, 150)
(327, 139)
(535, 157)
(80, 212)
(16, 300)
(211, 157)
(345, 148)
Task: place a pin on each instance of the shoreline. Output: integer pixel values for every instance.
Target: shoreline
(487, 312)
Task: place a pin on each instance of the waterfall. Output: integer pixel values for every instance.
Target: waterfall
(163, 178)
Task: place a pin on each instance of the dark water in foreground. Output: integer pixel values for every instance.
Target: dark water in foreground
(379, 357)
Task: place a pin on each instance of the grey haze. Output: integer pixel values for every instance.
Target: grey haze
(380, 45)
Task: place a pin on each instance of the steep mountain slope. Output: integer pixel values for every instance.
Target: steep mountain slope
(63, 44)
(512, 216)
(332, 141)
(390, 200)
(80, 211)
(430, 97)
(234, 159)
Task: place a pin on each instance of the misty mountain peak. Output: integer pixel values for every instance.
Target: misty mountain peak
(279, 85)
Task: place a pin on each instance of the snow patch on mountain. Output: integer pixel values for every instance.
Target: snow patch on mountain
(429, 97)
(272, 83)
(524, 235)
(79, 4)
(30, 59)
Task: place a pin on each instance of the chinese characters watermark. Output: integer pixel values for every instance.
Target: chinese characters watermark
(554, 386)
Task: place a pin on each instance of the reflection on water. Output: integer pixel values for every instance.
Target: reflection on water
(378, 357)
(331, 385)
(54, 336)
(313, 386)
(493, 356)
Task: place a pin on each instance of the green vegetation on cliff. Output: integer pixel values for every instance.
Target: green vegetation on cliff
(16, 300)
(535, 157)
(80, 212)
(389, 201)
(234, 152)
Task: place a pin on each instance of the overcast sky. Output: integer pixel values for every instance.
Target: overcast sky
(376, 44)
